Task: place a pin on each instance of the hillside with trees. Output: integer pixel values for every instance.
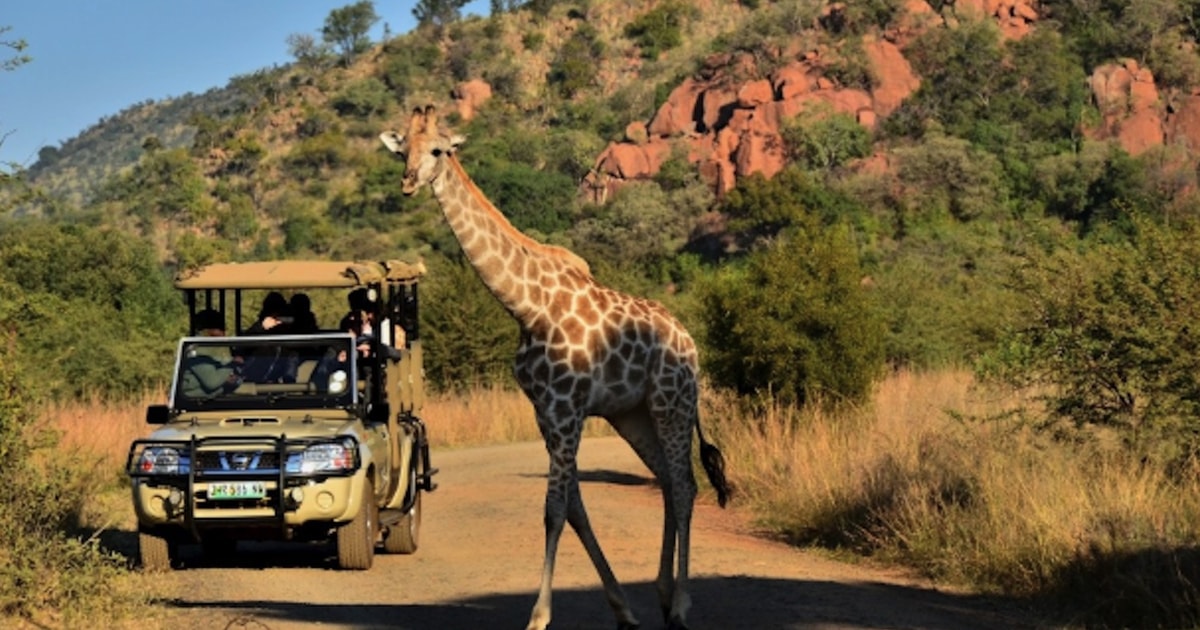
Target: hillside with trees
(892, 222)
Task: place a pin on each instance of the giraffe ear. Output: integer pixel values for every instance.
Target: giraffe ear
(456, 141)
(393, 141)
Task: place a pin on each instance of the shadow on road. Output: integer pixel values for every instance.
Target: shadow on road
(721, 603)
(614, 477)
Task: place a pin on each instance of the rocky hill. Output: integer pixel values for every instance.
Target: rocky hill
(597, 96)
(732, 124)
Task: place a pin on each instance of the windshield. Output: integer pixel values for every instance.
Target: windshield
(265, 372)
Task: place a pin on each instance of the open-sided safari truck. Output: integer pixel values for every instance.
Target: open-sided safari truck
(308, 435)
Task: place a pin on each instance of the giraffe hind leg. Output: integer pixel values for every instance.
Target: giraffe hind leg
(674, 422)
(637, 428)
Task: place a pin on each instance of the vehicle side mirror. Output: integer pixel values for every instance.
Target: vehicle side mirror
(157, 414)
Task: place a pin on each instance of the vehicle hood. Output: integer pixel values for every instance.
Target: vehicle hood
(246, 425)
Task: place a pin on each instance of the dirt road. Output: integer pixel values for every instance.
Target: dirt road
(480, 558)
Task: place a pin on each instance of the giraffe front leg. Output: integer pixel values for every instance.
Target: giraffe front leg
(555, 517)
(577, 517)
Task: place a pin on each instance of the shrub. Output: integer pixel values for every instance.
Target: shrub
(827, 141)
(309, 157)
(531, 198)
(74, 294)
(574, 68)
(47, 572)
(660, 28)
(639, 228)
(362, 99)
(946, 175)
(469, 339)
(1109, 335)
(794, 321)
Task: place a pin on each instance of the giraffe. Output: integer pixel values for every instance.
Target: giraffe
(585, 350)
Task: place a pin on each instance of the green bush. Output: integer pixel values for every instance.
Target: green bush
(794, 321)
(1109, 334)
(759, 207)
(309, 157)
(826, 141)
(47, 569)
(469, 338)
(362, 99)
(640, 228)
(574, 68)
(94, 310)
(660, 29)
(532, 199)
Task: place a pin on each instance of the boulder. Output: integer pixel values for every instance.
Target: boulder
(755, 93)
(676, 116)
(896, 77)
(469, 96)
(1131, 111)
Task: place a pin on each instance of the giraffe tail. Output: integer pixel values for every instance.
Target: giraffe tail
(714, 466)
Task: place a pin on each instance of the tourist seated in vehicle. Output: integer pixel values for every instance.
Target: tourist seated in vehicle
(274, 318)
(305, 322)
(210, 370)
(266, 364)
(362, 321)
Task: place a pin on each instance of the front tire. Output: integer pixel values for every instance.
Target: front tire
(156, 552)
(356, 539)
(403, 535)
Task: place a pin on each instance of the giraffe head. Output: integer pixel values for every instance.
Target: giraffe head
(423, 148)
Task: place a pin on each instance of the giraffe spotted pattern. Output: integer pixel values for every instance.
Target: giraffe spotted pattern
(585, 350)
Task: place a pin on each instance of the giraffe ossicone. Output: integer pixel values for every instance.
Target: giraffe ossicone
(585, 350)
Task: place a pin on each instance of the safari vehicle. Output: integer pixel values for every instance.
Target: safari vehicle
(333, 450)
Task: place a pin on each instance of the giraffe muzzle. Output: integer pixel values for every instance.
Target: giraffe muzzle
(408, 186)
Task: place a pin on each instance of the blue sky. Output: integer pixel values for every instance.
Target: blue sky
(94, 58)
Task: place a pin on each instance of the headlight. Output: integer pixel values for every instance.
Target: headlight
(329, 457)
(162, 460)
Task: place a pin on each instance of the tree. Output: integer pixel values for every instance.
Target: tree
(795, 321)
(17, 46)
(8, 170)
(307, 51)
(1108, 337)
(347, 27)
(437, 13)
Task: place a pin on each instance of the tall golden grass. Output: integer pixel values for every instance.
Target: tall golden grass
(936, 474)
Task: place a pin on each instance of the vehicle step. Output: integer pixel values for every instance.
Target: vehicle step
(425, 480)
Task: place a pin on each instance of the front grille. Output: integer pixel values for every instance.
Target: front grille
(233, 461)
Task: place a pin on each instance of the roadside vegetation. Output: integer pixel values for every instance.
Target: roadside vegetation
(980, 362)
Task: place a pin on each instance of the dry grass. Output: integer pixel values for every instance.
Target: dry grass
(98, 432)
(491, 415)
(937, 475)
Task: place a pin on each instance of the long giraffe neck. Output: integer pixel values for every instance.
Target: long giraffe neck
(516, 269)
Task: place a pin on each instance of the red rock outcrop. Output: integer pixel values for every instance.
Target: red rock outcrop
(1130, 109)
(734, 129)
(469, 96)
(1014, 17)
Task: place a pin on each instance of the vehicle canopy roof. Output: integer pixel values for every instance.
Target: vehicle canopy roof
(293, 274)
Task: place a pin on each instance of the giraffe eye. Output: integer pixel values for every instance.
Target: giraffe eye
(437, 153)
